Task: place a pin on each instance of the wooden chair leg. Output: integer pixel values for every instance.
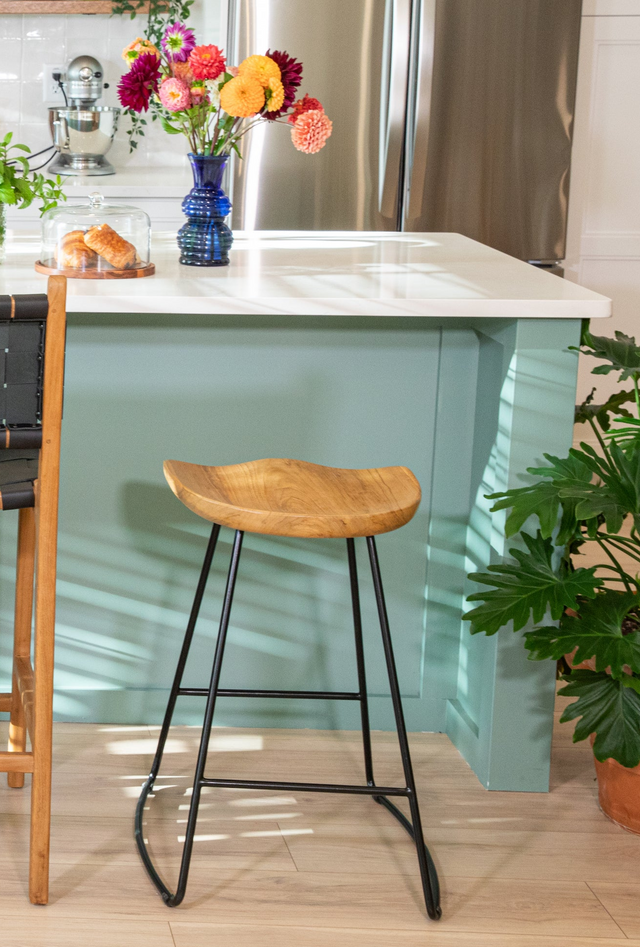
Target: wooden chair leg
(22, 632)
(45, 601)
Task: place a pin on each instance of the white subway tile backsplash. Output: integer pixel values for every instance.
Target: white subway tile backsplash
(32, 108)
(9, 106)
(11, 27)
(96, 45)
(28, 42)
(46, 29)
(37, 136)
(10, 59)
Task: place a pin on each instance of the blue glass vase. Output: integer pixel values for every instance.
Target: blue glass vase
(205, 239)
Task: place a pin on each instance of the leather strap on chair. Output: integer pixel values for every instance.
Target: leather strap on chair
(17, 496)
(26, 306)
(28, 438)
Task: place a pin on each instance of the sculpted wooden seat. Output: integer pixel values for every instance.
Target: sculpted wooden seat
(295, 498)
(292, 498)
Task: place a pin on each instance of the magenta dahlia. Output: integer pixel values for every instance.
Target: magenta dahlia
(137, 86)
(177, 42)
(290, 76)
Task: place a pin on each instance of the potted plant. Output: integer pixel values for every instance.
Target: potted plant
(589, 498)
(20, 185)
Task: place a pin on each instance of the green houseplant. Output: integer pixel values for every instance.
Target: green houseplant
(20, 185)
(589, 498)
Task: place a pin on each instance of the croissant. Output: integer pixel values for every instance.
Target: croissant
(111, 246)
(74, 253)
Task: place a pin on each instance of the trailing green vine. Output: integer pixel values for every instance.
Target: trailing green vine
(20, 185)
(159, 15)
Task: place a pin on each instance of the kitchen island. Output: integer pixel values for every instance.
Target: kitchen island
(353, 350)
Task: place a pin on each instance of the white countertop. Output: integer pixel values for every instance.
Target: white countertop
(132, 182)
(326, 274)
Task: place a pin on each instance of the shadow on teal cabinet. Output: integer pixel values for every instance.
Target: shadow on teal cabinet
(467, 406)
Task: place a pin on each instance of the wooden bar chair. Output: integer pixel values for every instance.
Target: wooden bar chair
(32, 348)
(293, 498)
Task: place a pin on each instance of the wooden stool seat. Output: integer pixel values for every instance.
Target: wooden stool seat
(295, 498)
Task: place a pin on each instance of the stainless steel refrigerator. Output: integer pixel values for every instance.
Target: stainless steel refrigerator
(448, 115)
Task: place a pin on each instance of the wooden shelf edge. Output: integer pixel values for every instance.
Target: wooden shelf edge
(59, 6)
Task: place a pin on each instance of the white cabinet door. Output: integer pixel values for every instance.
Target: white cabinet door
(603, 247)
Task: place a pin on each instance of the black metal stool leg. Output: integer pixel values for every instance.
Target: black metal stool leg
(428, 874)
(173, 695)
(362, 678)
(170, 899)
(184, 653)
(381, 794)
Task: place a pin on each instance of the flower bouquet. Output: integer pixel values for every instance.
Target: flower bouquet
(192, 91)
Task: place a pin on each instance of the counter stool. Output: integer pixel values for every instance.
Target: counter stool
(32, 342)
(293, 498)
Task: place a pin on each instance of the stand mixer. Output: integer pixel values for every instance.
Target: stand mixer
(82, 131)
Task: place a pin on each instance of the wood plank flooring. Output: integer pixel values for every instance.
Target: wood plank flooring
(297, 870)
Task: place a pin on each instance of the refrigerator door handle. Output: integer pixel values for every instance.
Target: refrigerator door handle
(393, 104)
(421, 81)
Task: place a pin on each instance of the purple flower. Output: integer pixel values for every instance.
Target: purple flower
(290, 76)
(137, 86)
(177, 42)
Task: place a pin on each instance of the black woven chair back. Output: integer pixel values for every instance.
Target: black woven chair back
(23, 322)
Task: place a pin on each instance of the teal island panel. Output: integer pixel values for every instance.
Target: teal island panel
(467, 405)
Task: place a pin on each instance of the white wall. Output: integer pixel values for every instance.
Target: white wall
(603, 248)
(27, 43)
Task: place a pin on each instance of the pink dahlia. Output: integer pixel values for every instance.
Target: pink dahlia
(306, 104)
(290, 76)
(311, 131)
(137, 86)
(175, 95)
(177, 42)
(207, 62)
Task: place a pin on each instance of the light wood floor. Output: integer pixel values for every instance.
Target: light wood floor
(276, 870)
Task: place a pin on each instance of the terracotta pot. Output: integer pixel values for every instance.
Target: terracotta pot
(619, 793)
(618, 787)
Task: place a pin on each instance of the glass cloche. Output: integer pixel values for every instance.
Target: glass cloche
(96, 240)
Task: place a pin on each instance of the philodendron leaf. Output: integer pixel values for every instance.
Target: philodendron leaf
(621, 353)
(544, 500)
(615, 495)
(596, 633)
(605, 413)
(528, 588)
(609, 708)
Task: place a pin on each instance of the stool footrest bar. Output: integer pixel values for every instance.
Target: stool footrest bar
(305, 787)
(298, 695)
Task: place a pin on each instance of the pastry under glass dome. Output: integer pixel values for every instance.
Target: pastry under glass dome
(96, 240)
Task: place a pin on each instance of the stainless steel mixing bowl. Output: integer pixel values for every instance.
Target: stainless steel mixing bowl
(82, 137)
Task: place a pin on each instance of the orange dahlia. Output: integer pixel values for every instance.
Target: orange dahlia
(311, 131)
(242, 97)
(182, 70)
(139, 46)
(275, 95)
(261, 68)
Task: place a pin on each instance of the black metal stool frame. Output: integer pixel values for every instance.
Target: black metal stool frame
(428, 874)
